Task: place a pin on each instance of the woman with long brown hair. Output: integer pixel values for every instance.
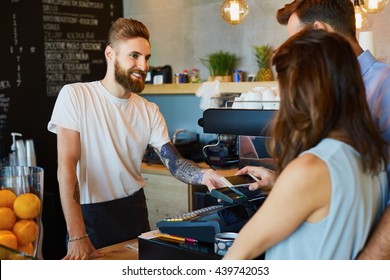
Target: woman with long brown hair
(330, 186)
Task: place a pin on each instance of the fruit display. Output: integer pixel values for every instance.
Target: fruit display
(19, 215)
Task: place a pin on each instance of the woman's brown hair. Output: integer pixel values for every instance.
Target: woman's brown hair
(321, 90)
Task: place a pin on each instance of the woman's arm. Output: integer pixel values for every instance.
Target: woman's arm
(301, 193)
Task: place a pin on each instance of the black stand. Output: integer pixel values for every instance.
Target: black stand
(157, 249)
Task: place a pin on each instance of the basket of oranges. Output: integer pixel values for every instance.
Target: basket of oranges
(21, 190)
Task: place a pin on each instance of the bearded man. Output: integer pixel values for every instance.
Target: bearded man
(103, 129)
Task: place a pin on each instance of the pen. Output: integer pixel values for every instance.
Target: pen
(176, 238)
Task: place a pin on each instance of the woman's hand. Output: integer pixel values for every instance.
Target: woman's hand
(266, 176)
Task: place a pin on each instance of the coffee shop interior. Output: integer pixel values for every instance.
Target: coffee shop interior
(184, 33)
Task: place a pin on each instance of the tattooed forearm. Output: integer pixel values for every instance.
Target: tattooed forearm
(184, 170)
(76, 193)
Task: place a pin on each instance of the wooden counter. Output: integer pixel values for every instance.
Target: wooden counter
(127, 250)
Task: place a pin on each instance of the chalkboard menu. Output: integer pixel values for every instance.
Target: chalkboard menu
(45, 44)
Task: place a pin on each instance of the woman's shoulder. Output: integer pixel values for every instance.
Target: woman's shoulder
(306, 166)
(303, 173)
(306, 182)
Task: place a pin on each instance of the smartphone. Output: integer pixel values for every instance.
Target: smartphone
(239, 180)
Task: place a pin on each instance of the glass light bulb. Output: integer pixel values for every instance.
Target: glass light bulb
(234, 11)
(373, 6)
(360, 18)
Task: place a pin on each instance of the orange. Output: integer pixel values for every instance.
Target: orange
(8, 238)
(26, 231)
(7, 198)
(28, 249)
(27, 206)
(7, 218)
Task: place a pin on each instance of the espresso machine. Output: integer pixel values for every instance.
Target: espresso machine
(249, 130)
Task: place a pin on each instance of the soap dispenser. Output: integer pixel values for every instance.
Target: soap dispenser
(13, 156)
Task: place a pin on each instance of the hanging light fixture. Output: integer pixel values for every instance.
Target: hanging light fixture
(360, 16)
(373, 6)
(234, 11)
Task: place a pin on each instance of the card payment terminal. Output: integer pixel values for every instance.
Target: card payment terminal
(229, 195)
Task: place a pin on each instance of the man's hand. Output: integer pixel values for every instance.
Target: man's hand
(212, 179)
(82, 250)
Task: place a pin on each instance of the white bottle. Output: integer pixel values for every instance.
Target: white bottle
(13, 157)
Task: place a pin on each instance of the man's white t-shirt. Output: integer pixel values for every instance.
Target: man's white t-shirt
(114, 134)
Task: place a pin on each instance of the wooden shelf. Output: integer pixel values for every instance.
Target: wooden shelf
(192, 88)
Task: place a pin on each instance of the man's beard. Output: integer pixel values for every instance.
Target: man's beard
(124, 78)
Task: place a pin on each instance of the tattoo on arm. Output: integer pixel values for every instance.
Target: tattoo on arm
(185, 170)
(76, 193)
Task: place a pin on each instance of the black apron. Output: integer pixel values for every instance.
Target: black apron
(117, 220)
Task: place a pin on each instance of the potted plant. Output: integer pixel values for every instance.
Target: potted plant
(221, 65)
(263, 55)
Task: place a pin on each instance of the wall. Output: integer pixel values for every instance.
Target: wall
(181, 111)
(183, 31)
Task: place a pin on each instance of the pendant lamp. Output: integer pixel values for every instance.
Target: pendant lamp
(234, 11)
(373, 6)
(360, 16)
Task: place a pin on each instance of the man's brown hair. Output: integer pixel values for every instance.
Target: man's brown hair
(123, 29)
(339, 14)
